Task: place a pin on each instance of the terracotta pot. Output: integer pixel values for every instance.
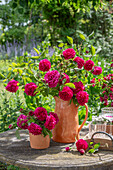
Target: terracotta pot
(68, 126)
(39, 141)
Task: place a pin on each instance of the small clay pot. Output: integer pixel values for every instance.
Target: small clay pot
(39, 141)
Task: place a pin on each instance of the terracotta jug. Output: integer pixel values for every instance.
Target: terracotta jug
(39, 141)
(67, 128)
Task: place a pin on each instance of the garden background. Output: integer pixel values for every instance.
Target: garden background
(45, 25)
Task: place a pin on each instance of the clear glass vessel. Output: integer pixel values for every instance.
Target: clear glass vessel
(102, 123)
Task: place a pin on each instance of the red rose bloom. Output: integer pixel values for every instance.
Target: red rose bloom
(21, 110)
(111, 104)
(67, 149)
(81, 144)
(12, 86)
(78, 87)
(88, 65)
(44, 65)
(80, 62)
(69, 53)
(104, 85)
(105, 97)
(111, 96)
(40, 113)
(82, 97)
(66, 94)
(30, 88)
(87, 52)
(64, 77)
(111, 89)
(97, 70)
(93, 80)
(106, 103)
(111, 65)
(31, 113)
(10, 126)
(101, 99)
(55, 116)
(52, 78)
(22, 121)
(34, 129)
(50, 122)
(108, 77)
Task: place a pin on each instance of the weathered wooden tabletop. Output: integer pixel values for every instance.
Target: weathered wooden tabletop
(19, 153)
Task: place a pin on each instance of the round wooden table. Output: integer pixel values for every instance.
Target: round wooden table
(19, 153)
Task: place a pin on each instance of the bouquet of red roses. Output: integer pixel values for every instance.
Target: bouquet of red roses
(64, 74)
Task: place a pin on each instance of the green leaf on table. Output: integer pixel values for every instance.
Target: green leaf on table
(70, 40)
(91, 143)
(96, 146)
(91, 151)
(82, 36)
(92, 50)
(71, 85)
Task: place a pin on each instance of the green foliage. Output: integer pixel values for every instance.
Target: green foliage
(12, 21)
(9, 107)
(59, 18)
(71, 85)
(4, 166)
(24, 21)
(93, 147)
(92, 50)
(70, 40)
(82, 36)
(26, 70)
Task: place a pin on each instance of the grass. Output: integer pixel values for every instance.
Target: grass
(4, 166)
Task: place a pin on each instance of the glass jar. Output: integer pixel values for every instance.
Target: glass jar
(103, 123)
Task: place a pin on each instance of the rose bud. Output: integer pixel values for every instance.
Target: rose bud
(82, 151)
(67, 149)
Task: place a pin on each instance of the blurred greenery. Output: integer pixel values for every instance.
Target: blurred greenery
(4, 166)
(24, 21)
